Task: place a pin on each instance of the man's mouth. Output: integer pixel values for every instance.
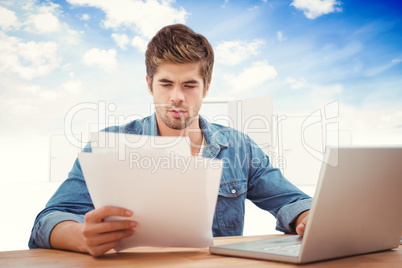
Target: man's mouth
(177, 113)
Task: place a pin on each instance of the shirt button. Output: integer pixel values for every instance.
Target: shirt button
(233, 191)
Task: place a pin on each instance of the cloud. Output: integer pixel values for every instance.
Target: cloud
(105, 59)
(73, 87)
(121, 40)
(372, 126)
(326, 92)
(250, 77)
(144, 18)
(46, 21)
(235, 52)
(8, 19)
(140, 43)
(41, 107)
(381, 68)
(280, 37)
(28, 60)
(315, 8)
(296, 84)
(252, 8)
(38, 18)
(72, 37)
(27, 5)
(85, 17)
(374, 121)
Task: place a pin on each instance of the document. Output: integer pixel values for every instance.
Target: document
(111, 142)
(172, 196)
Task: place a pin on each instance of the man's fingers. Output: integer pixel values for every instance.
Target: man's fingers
(300, 229)
(101, 236)
(101, 249)
(305, 220)
(302, 226)
(107, 226)
(107, 238)
(97, 215)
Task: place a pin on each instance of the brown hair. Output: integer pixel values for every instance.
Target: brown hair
(179, 44)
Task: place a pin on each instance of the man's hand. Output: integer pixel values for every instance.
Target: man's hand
(100, 236)
(301, 223)
(94, 236)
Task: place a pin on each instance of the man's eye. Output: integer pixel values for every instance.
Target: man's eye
(166, 85)
(188, 86)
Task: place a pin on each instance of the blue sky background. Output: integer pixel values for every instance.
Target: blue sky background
(306, 54)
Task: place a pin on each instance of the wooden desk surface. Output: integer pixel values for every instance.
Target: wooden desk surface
(180, 257)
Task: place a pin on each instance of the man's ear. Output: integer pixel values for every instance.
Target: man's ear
(149, 85)
(206, 91)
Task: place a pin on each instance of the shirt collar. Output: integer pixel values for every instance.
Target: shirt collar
(215, 139)
(151, 127)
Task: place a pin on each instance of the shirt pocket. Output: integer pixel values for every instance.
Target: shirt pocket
(230, 204)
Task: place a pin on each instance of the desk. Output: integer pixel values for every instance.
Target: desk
(180, 257)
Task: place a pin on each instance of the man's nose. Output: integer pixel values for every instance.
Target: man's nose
(177, 95)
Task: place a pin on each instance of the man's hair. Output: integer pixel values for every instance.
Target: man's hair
(179, 44)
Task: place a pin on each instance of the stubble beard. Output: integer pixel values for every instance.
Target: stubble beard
(174, 123)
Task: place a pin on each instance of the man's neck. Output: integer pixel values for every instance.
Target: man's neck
(193, 132)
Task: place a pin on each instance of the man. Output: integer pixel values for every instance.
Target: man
(179, 66)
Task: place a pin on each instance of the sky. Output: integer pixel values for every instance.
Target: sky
(58, 55)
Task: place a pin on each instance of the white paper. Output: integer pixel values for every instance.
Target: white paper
(111, 142)
(173, 197)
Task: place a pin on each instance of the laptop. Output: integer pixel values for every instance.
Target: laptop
(357, 209)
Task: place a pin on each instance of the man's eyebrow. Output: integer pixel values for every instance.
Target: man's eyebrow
(164, 80)
(191, 82)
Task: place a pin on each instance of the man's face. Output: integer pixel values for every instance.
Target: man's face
(178, 90)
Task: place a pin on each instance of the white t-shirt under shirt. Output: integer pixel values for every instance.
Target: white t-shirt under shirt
(204, 142)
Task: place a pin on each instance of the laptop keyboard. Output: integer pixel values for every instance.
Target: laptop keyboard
(291, 250)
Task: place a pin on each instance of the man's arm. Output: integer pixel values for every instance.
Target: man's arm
(94, 236)
(271, 191)
(70, 222)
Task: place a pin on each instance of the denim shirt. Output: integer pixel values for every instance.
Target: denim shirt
(247, 173)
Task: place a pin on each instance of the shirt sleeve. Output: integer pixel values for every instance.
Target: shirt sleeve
(288, 214)
(70, 202)
(271, 191)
